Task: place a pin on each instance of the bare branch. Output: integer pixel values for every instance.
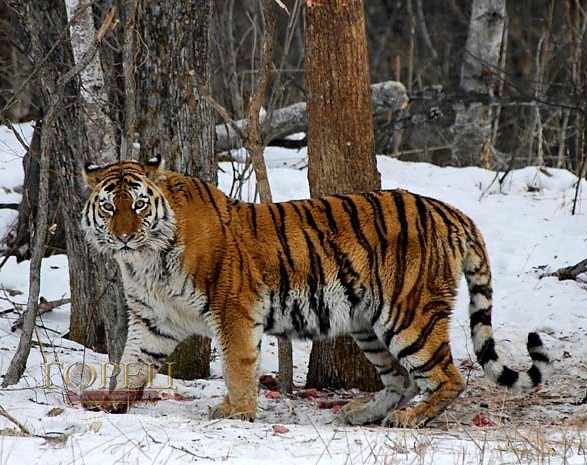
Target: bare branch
(23, 428)
(18, 362)
(44, 307)
(254, 141)
(570, 272)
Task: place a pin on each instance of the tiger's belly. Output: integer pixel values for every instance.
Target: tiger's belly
(306, 313)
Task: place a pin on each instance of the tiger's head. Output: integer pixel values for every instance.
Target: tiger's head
(126, 211)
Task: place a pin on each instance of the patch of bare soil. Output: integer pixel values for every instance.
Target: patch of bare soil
(556, 403)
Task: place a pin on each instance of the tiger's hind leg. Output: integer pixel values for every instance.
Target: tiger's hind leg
(425, 352)
(398, 387)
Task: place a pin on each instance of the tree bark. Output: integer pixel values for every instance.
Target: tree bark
(479, 74)
(173, 119)
(341, 157)
(27, 210)
(102, 144)
(95, 297)
(100, 129)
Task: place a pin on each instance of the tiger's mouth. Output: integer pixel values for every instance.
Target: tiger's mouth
(117, 245)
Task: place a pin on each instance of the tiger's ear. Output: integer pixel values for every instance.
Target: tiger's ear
(154, 167)
(91, 174)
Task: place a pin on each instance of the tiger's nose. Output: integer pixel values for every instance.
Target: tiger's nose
(125, 238)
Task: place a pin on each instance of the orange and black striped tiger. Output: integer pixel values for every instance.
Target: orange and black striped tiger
(381, 266)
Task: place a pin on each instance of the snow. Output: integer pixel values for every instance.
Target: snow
(529, 230)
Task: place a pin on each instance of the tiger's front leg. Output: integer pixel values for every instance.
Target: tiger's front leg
(239, 338)
(147, 348)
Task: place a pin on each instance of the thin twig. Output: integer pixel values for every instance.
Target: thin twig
(6, 122)
(44, 307)
(23, 428)
(221, 111)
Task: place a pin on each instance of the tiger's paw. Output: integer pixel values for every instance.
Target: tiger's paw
(228, 411)
(406, 418)
(364, 411)
(359, 412)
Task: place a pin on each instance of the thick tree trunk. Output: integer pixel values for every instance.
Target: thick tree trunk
(172, 118)
(341, 156)
(479, 74)
(95, 297)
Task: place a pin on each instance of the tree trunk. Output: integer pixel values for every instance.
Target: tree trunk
(102, 145)
(100, 130)
(341, 156)
(39, 234)
(172, 118)
(479, 74)
(27, 210)
(95, 297)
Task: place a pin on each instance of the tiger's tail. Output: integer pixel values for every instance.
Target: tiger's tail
(478, 276)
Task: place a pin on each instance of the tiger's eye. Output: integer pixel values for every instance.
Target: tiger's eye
(108, 207)
(140, 204)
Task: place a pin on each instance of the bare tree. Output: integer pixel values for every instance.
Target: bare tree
(255, 144)
(341, 153)
(479, 74)
(63, 135)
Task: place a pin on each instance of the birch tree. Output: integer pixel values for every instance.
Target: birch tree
(110, 318)
(100, 129)
(479, 75)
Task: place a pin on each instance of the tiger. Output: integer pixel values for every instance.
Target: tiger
(381, 266)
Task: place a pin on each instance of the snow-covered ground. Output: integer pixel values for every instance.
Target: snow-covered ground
(529, 230)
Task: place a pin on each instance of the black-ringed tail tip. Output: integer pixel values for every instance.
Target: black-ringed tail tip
(515, 380)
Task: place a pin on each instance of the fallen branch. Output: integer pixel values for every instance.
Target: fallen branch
(570, 272)
(23, 429)
(10, 206)
(44, 307)
(388, 97)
